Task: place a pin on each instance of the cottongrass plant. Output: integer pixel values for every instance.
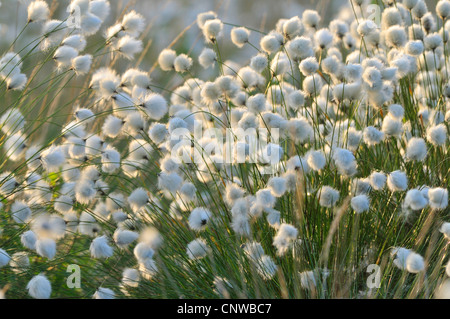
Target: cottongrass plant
(119, 174)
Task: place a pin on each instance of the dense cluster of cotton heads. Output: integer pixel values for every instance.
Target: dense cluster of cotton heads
(346, 115)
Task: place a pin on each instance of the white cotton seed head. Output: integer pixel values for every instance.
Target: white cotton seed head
(377, 180)
(300, 48)
(316, 160)
(313, 84)
(84, 191)
(138, 199)
(63, 204)
(8, 183)
(277, 186)
(345, 161)
(110, 160)
(416, 150)
(366, 27)
(212, 29)
(104, 293)
(129, 46)
(239, 36)
(283, 239)
(437, 135)
(360, 186)
(38, 11)
(372, 136)
(130, 277)
(10, 64)
(415, 200)
(20, 212)
(77, 41)
(124, 237)
(16, 81)
(39, 287)
(400, 254)
(372, 77)
(198, 219)
(295, 100)
(240, 207)
(90, 173)
(391, 126)
(52, 158)
(46, 247)
(265, 198)
(266, 267)
(143, 251)
(438, 197)
(396, 36)
(309, 66)
(360, 203)
(148, 269)
(293, 27)
(254, 250)
(327, 196)
(270, 43)
(433, 41)
(297, 163)
(166, 59)
(279, 66)
(331, 65)
(170, 182)
(158, 132)
(90, 24)
(233, 192)
(81, 6)
(188, 192)
(151, 236)
(100, 8)
(391, 17)
(182, 63)
(428, 22)
(207, 58)
(12, 121)
(409, 4)
(300, 130)
(445, 230)
(397, 181)
(64, 55)
(396, 111)
(323, 38)
(100, 248)
(415, 263)
(205, 16)
(443, 9)
(197, 249)
(311, 18)
(82, 64)
(28, 239)
(84, 115)
(133, 23)
(155, 106)
(4, 258)
(112, 126)
(257, 103)
(210, 93)
(259, 63)
(273, 217)
(15, 146)
(287, 231)
(88, 225)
